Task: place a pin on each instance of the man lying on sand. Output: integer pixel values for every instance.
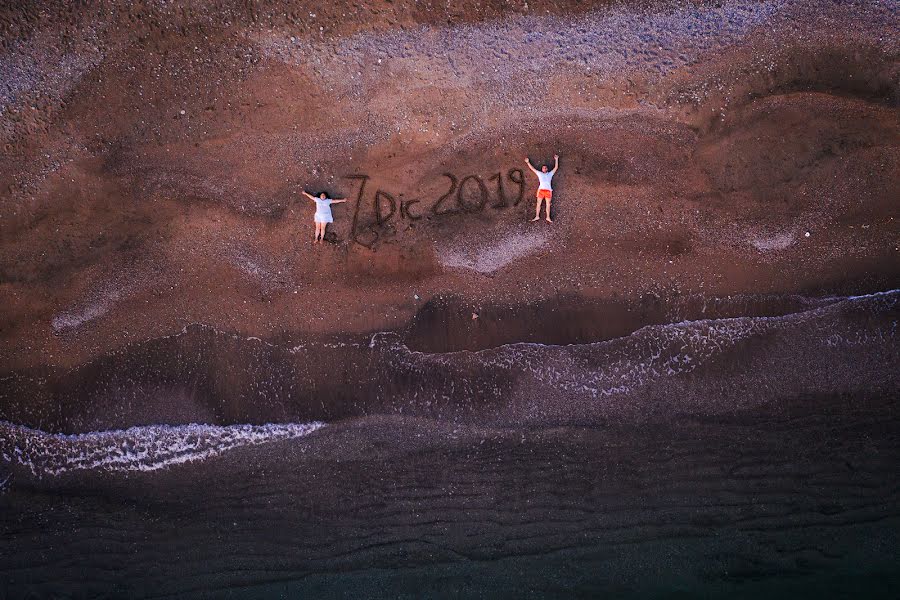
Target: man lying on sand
(323, 213)
(545, 190)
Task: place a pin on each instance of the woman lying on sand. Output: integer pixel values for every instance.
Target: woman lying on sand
(323, 213)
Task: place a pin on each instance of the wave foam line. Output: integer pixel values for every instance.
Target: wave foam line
(144, 448)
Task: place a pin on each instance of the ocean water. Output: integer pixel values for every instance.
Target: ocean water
(723, 457)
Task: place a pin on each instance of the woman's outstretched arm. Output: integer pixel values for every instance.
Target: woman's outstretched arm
(338, 200)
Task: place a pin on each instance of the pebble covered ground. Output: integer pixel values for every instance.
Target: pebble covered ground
(154, 155)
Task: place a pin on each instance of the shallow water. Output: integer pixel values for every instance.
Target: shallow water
(392, 506)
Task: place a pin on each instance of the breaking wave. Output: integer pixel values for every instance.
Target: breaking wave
(712, 366)
(145, 448)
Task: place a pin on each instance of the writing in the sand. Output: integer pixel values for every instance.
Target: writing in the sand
(466, 196)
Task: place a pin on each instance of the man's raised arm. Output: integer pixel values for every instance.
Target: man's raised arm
(528, 162)
(556, 166)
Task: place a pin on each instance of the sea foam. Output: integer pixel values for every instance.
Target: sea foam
(144, 448)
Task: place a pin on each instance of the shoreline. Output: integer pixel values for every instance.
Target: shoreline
(702, 355)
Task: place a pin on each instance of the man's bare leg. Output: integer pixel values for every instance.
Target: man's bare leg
(549, 220)
(537, 209)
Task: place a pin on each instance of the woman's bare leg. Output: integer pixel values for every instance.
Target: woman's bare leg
(324, 227)
(537, 209)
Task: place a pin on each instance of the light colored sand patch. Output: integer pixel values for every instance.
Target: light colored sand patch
(495, 256)
(270, 272)
(776, 242)
(77, 316)
(116, 286)
(250, 266)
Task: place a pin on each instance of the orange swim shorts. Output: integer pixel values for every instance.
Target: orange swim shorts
(545, 194)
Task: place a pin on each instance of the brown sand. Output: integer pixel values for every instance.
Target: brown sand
(154, 157)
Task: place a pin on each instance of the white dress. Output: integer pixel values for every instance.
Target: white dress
(323, 210)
